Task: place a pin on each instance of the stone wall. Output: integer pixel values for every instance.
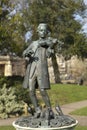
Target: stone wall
(70, 71)
(10, 66)
(18, 66)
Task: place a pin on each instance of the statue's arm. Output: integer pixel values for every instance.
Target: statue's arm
(28, 52)
(52, 42)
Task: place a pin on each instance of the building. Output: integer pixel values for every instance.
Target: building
(10, 66)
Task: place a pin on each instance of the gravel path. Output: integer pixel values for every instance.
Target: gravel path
(66, 110)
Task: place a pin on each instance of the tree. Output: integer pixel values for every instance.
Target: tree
(4, 35)
(11, 28)
(59, 15)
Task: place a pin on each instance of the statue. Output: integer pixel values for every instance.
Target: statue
(37, 68)
(37, 77)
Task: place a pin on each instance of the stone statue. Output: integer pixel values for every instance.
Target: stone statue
(37, 69)
(37, 77)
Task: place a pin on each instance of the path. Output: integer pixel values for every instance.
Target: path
(82, 120)
(73, 106)
(66, 110)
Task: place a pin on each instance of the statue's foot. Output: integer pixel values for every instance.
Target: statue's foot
(51, 113)
(37, 113)
(47, 114)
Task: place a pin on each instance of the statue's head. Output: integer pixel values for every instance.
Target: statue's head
(42, 30)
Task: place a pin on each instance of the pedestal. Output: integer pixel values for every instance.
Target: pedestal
(60, 123)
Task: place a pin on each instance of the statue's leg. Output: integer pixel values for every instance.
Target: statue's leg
(50, 113)
(32, 92)
(44, 94)
(45, 98)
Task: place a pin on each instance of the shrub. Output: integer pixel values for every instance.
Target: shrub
(9, 105)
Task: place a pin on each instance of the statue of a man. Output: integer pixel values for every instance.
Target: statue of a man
(37, 69)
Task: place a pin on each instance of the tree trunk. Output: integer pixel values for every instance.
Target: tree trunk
(56, 69)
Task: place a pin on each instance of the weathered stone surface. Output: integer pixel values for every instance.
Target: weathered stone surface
(10, 66)
(70, 71)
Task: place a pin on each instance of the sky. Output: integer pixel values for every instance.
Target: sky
(85, 2)
(85, 20)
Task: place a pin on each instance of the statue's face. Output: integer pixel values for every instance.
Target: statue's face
(42, 32)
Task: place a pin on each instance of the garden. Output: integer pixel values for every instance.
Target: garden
(59, 94)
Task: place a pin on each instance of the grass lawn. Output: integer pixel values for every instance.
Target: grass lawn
(67, 93)
(81, 128)
(12, 128)
(80, 112)
(7, 128)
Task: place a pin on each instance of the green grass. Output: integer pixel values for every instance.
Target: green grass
(7, 128)
(12, 128)
(80, 112)
(67, 93)
(81, 128)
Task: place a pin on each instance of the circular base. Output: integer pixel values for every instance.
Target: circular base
(59, 123)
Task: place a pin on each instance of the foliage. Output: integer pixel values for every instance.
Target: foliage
(59, 15)
(9, 105)
(10, 80)
(11, 36)
(16, 82)
(5, 38)
(2, 81)
(80, 112)
(11, 92)
(22, 94)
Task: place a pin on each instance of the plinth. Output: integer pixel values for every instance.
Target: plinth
(59, 123)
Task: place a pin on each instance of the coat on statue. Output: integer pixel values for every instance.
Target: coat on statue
(37, 62)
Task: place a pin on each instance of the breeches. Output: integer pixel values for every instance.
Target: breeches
(32, 90)
(34, 81)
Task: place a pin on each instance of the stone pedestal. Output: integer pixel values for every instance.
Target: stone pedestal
(70, 127)
(60, 123)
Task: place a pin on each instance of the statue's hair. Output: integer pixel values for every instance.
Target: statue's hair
(42, 24)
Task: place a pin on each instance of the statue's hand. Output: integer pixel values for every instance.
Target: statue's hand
(28, 53)
(50, 52)
(27, 59)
